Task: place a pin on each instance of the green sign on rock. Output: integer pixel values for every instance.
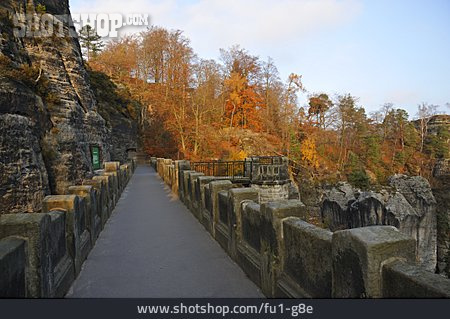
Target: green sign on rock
(95, 157)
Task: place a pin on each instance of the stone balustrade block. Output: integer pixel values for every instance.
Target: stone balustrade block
(78, 237)
(358, 257)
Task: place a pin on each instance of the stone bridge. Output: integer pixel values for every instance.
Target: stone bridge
(169, 231)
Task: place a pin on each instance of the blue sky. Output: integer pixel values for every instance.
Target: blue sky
(377, 50)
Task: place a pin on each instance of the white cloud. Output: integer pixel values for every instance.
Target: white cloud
(266, 22)
(255, 24)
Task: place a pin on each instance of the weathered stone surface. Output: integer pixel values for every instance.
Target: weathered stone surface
(442, 195)
(334, 208)
(13, 261)
(214, 188)
(406, 280)
(272, 214)
(408, 205)
(114, 189)
(251, 224)
(111, 166)
(74, 117)
(272, 192)
(108, 196)
(268, 170)
(275, 212)
(235, 198)
(200, 195)
(194, 204)
(62, 263)
(185, 181)
(222, 231)
(180, 167)
(417, 192)
(307, 260)
(23, 176)
(35, 228)
(93, 217)
(358, 256)
(77, 234)
(47, 133)
(249, 244)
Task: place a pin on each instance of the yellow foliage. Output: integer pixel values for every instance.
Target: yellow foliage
(239, 156)
(309, 152)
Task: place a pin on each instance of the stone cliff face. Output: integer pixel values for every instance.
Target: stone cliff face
(49, 116)
(441, 190)
(120, 113)
(408, 205)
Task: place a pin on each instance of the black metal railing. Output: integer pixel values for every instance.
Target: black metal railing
(242, 170)
(237, 170)
(232, 169)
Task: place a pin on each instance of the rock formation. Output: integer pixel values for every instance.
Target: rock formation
(408, 205)
(49, 116)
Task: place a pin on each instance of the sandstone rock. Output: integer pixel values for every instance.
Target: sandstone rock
(408, 205)
(441, 193)
(417, 192)
(23, 177)
(47, 134)
(334, 208)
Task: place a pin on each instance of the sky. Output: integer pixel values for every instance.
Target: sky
(377, 50)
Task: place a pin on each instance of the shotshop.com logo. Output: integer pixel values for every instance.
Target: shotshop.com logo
(106, 25)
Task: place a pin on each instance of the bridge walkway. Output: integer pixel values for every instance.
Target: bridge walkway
(153, 247)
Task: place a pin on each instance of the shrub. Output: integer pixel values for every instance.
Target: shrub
(41, 9)
(359, 178)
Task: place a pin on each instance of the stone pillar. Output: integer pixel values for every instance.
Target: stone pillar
(126, 173)
(35, 228)
(185, 182)
(270, 176)
(113, 168)
(192, 177)
(249, 245)
(180, 166)
(205, 217)
(78, 237)
(107, 182)
(165, 173)
(159, 166)
(359, 254)
(102, 201)
(305, 261)
(236, 197)
(13, 262)
(214, 188)
(222, 229)
(88, 193)
(49, 270)
(272, 215)
(153, 162)
(113, 188)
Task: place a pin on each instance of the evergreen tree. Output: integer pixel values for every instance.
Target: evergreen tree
(90, 41)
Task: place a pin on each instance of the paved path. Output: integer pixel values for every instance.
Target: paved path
(153, 247)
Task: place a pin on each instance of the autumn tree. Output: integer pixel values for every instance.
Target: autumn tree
(204, 109)
(319, 104)
(206, 102)
(271, 89)
(243, 104)
(351, 124)
(424, 114)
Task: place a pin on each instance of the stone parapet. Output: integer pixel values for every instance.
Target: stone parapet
(42, 253)
(290, 258)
